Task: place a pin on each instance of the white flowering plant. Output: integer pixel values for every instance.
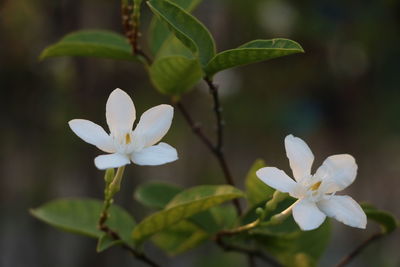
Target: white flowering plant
(276, 220)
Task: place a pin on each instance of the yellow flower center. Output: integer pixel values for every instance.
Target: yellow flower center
(128, 139)
(315, 186)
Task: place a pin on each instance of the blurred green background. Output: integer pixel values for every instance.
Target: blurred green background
(341, 96)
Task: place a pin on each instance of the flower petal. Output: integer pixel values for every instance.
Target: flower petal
(120, 112)
(337, 172)
(345, 210)
(277, 179)
(93, 134)
(103, 162)
(300, 157)
(155, 155)
(153, 125)
(307, 215)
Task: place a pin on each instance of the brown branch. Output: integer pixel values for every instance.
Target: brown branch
(146, 57)
(218, 112)
(218, 147)
(250, 252)
(196, 128)
(213, 149)
(346, 260)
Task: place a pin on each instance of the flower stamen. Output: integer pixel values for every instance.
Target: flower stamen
(315, 186)
(128, 139)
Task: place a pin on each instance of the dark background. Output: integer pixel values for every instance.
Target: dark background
(341, 96)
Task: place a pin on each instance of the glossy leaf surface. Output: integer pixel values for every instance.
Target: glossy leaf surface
(252, 52)
(91, 43)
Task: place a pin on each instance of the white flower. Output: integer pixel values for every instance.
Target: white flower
(316, 193)
(124, 144)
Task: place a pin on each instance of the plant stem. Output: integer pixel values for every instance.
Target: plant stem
(239, 229)
(218, 113)
(131, 22)
(196, 128)
(218, 152)
(346, 260)
(109, 192)
(135, 22)
(215, 150)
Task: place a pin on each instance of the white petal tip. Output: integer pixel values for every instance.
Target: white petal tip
(293, 139)
(119, 93)
(117, 90)
(289, 136)
(276, 179)
(165, 108)
(360, 225)
(73, 122)
(259, 172)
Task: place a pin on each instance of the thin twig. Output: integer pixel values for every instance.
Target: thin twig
(346, 260)
(238, 230)
(146, 57)
(250, 252)
(196, 128)
(109, 192)
(140, 256)
(219, 235)
(214, 149)
(218, 112)
(218, 147)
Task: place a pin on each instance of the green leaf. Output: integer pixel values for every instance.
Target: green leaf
(175, 75)
(180, 237)
(185, 205)
(91, 43)
(256, 190)
(106, 242)
(81, 215)
(225, 216)
(286, 241)
(159, 32)
(298, 248)
(252, 52)
(156, 194)
(386, 220)
(186, 28)
(173, 47)
(206, 221)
